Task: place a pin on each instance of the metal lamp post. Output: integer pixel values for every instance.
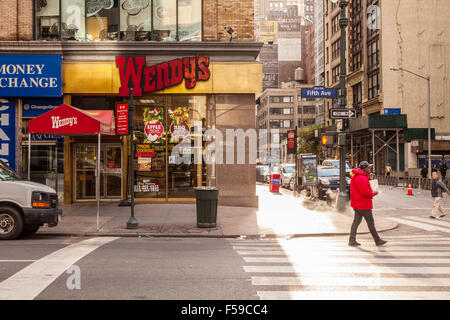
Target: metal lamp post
(342, 199)
(429, 111)
(132, 222)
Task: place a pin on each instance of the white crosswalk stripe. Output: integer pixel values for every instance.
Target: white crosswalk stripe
(415, 267)
(424, 223)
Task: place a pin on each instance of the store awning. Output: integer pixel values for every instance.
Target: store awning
(68, 120)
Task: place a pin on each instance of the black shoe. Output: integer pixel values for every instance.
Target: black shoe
(353, 243)
(432, 217)
(380, 242)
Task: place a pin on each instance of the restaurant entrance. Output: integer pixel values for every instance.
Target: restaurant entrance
(85, 171)
(165, 147)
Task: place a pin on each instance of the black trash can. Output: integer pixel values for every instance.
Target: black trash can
(206, 200)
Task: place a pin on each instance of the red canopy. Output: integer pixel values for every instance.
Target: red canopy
(68, 120)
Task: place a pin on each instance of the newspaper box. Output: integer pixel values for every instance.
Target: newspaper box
(274, 185)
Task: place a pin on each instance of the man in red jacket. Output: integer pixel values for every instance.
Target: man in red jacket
(361, 201)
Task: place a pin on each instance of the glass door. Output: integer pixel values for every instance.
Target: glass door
(110, 169)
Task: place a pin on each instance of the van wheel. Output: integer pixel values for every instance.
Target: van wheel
(11, 223)
(30, 229)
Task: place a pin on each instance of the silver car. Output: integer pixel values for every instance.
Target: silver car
(287, 171)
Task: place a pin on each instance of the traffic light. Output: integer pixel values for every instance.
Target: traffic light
(328, 140)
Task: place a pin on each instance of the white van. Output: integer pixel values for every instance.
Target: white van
(25, 206)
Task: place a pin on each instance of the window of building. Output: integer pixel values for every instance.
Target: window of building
(47, 20)
(336, 49)
(357, 95)
(282, 99)
(335, 24)
(129, 20)
(336, 74)
(373, 55)
(374, 85)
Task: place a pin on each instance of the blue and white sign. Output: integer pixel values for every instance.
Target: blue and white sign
(29, 75)
(32, 108)
(8, 132)
(392, 111)
(319, 92)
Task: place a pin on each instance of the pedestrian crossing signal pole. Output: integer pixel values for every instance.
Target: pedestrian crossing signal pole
(342, 199)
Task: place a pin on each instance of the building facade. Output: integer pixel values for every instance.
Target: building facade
(90, 38)
(381, 35)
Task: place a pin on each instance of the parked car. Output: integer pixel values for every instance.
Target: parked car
(328, 181)
(287, 171)
(25, 206)
(336, 163)
(262, 173)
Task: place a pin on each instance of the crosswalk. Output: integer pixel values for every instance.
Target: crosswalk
(424, 223)
(408, 267)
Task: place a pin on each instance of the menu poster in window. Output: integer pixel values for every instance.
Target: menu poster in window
(154, 129)
(179, 118)
(144, 164)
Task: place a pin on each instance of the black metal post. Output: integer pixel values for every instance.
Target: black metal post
(132, 222)
(342, 200)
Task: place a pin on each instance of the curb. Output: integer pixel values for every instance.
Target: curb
(190, 235)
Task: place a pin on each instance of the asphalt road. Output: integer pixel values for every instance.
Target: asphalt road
(415, 264)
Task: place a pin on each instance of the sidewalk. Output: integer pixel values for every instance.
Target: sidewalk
(278, 216)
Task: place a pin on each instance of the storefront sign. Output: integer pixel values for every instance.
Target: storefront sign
(144, 150)
(162, 75)
(291, 141)
(27, 75)
(179, 124)
(146, 186)
(32, 108)
(154, 130)
(8, 132)
(121, 118)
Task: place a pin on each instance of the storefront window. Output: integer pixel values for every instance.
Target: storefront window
(47, 20)
(189, 20)
(73, 26)
(102, 20)
(165, 149)
(128, 20)
(135, 20)
(165, 20)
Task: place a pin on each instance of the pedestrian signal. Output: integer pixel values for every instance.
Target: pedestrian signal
(327, 140)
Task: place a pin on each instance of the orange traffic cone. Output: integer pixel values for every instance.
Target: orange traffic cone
(410, 193)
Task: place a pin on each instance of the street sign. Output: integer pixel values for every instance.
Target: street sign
(336, 113)
(319, 92)
(392, 111)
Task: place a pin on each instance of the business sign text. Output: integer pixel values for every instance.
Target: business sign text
(162, 75)
(30, 75)
(8, 132)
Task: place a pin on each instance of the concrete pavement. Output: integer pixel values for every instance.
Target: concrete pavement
(279, 215)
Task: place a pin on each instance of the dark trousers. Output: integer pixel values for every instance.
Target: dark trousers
(367, 215)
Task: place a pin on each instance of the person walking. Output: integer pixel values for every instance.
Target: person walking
(437, 186)
(424, 175)
(443, 170)
(361, 201)
(388, 169)
(434, 168)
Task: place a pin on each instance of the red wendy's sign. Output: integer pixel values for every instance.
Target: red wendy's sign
(162, 75)
(122, 118)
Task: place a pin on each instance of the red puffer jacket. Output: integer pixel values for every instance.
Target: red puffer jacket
(360, 191)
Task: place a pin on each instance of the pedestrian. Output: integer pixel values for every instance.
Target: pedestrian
(437, 186)
(361, 201)
(434, 168)
(424, 174)
(424, 171)
(388, 169)
(444, 170)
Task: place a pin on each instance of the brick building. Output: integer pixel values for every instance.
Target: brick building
(88, 36)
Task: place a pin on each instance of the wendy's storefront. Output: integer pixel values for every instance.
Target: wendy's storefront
(174, 86)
